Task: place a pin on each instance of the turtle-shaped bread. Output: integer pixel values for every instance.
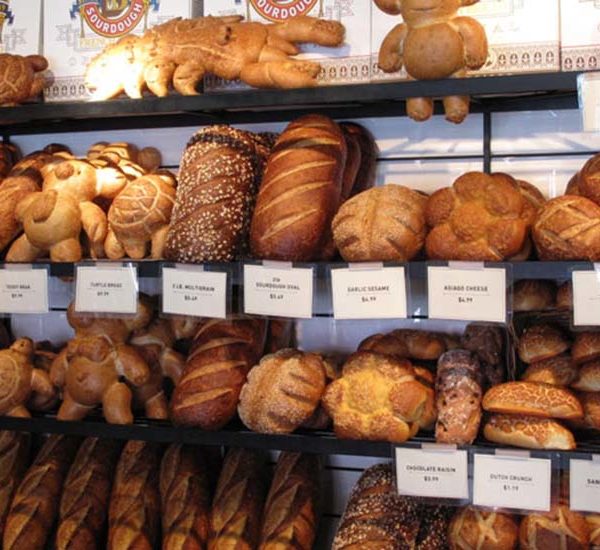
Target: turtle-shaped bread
(19, 378)
(21, 77)
(139, 215)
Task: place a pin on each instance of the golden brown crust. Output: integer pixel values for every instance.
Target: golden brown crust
(475, 529)
(589, 179)
(533, 294)
(539, 342)
(589, 377)
(534, 200)
(593, 521)
(557, 371)
(14, 459)
(411, 344)
(586, 347)
(591, 409)
(564, 296)
(559, 528)
(531, 398)
(367, 172)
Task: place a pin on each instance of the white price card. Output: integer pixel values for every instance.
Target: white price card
(585, 485)
(191, 291)
(106, 289)
(369, 293)
(467, 294)
(517, 482)
(586, 297)
(278, 289)
(434, 471)
(23, 290)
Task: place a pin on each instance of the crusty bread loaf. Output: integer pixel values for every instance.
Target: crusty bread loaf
(235, 518)
(539, 342)
(300, 192)
(559, 528)
(589, 377)
(134, 513)
(558, 371)
(291, 513)
(222, 354)
(487, 343)
(406, 344)
(568, 228)
(385, 223)
(14, 459)
(533, 295)
(35, 504)
(458, 397)
(586, 347)
(282, 391)
(534, 200)
(367, 171)
(534, 399)
(564, 296)
(474, 529)
(219, 176)
(353, 162)
(591, 409)
(588, 182)
(593, 521)
(530, 432)
(85, 496)
(185, 498)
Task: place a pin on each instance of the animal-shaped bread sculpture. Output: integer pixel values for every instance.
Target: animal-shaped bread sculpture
(21, 78)
(180, 52)
(19, 379)
(90, 368)
(433, 42)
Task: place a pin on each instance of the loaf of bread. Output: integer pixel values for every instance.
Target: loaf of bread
(381, 224)
(420, 345)
(529, 432)
(593, 521)
(433, 531)
(35, 505)
(367, 170)
(539, 342)
(222, 354)
(378, 397)
(291, 513)
(479, 218)
(219, 175)
(185, 498)
(532, 399)
(533, 295)
(473, 529)
(85, 496)
(14, 459)
(568, 228)
(300, 192)
(134, 513)
(487, 343)
(591, 409)
(9, 156)
(235, 517)
(589, 377)
(588, 181)
(559, 528)
(458, 397)
(282, 391)
(586, 347)
(564, 296)
(557, 371)
(534, 200)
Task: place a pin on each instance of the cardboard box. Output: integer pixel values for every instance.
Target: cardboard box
(77, 30)
(523, 36)
(580, 35)
(347, 64)
(21, 26)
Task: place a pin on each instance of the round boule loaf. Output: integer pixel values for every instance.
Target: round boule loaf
(539, 342)
(559, 528)
(588, 181)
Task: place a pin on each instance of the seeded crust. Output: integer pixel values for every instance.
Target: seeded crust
(540, 342)
(557, 371)
(586, 347)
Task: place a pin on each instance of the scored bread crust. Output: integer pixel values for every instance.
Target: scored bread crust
(14, 458)
(557, 371)
(534, 399)
(479, 529)
(539, 342)
(559, 528)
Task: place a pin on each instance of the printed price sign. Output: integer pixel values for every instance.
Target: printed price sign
(375, 292)
(467, 294)
(279, 290)
(23, 290)
(521, 483)
(585, 485)
(434, 471)
(106, 289)
(188, 290)
(586, 297)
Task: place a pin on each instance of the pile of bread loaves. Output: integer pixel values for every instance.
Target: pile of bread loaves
(376, 517)
(140, 495)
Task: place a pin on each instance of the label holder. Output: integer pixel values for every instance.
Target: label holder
(43, 293)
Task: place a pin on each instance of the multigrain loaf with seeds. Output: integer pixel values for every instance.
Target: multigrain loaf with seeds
(220, 172)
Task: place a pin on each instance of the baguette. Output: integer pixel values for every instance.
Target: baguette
(291, 516)
(235, 518)
(185, 499)
(84, 502)
(14, 458)
(134, 512)
(36, 502)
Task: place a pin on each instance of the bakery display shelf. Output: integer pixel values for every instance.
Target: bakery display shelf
(555, 90)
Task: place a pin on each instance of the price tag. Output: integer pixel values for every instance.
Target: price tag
(586, 297)
(585, 485)
(434, 471)
(467, 294)
(106, 289)
(278, 289)
(189, 290)
(23, 290)
(521, 483)
(369, 293)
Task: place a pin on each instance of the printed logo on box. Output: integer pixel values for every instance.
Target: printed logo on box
(112, 18)
(280, 10)
(6, 15)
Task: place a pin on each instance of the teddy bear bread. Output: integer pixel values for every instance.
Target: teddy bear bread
(433, 42)
(21, 77)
